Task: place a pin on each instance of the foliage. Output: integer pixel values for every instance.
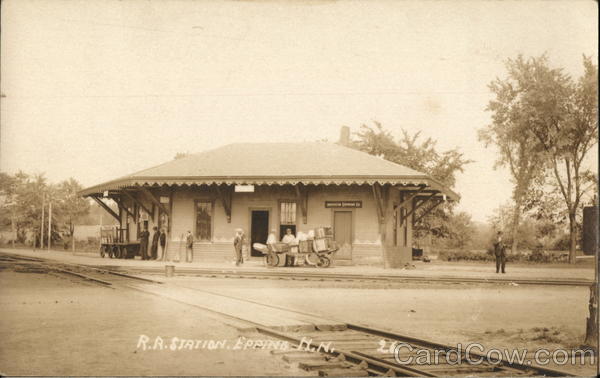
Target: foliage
(535, 256)
(518, 100)
(411, 152)
(423, 156)
(556, 118)
(23, 196)
(70, 205)
(460, 230)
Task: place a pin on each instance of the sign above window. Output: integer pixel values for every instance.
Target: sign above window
(344, 204)
(244, 188)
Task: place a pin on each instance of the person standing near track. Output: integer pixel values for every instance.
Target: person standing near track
(189, 247)
(154, 245)
(144, 235)
(500, 252)
(238, 242)
(162, 240)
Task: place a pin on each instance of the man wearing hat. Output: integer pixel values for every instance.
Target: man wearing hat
(238, 242)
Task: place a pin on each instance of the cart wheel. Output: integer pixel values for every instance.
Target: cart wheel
(312, 259)
(102, 252)
(324, 262)
(281, 259)
(272, 259)
(116, 252)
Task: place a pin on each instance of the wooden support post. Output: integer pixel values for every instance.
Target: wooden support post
(154, 200)
(416, 207)
(138, 202)
(379, 202)
(226, 198)
(105, 207)
(302, 197)
(427, 211)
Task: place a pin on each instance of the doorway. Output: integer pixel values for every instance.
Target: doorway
(342, 234)
(259, 230)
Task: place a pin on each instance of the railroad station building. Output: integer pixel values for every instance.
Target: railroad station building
(369, 202)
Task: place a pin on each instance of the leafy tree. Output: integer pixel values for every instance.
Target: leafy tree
(544, 122)
(22, 197)
(461, 230)
(557, 118)
(420, 155)
(7, 197)
(70, 206)
(512, 109)
(566, 135)
(28, 195)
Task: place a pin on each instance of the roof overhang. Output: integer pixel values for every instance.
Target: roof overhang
(404, 181)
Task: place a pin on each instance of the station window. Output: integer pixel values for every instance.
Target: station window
(203, 220)
(287, 217)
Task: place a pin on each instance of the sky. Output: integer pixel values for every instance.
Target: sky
(98, 89)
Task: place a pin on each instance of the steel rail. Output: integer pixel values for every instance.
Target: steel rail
(290, 275)
(367, 362)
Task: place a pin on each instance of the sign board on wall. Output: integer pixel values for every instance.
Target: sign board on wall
(164, 199)
(244, 188)
(343, 204)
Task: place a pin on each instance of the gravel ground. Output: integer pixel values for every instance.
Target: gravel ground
(53, 325)
(497, 316)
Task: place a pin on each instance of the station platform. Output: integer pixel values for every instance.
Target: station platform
(432, 270)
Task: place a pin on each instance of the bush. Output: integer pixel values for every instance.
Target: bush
(538, 255)
(464, 255)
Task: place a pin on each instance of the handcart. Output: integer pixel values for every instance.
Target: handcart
(317, 251)
(113, 243)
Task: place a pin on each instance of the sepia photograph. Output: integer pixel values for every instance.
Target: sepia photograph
(295, 188)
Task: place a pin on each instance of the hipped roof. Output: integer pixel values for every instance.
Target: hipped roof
(309, 163)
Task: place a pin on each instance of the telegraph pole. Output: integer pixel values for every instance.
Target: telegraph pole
(42, 223)
(49, 225)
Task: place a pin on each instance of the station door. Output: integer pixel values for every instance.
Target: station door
(342, 233)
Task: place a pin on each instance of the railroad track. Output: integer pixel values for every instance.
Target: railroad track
(317, 276)
(333, 349)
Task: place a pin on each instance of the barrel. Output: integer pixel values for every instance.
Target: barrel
(169, 270)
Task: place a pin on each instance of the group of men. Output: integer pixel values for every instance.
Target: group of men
(158, 239)
(239, 241)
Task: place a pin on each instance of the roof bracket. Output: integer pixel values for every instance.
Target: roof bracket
(226, 199)
(428, 211)
(121, 206)
(155, 200)
(415, 194)
(416, 206)
(139, 203)
(105, 207)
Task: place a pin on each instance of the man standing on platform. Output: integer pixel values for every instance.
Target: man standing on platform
(154, 245)
(189, 247)
(238, 243)
(163, 244)
(144, 236)
(500, 252)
